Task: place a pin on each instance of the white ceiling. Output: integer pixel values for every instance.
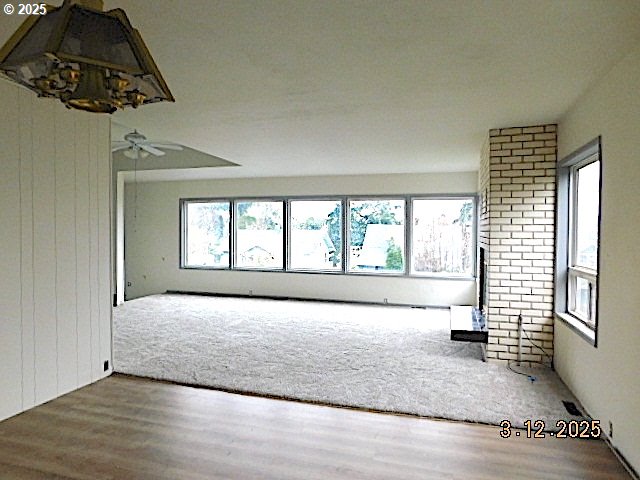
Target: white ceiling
(308, 87)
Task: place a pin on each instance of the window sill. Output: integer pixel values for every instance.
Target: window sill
(356, 273)
(583, 331)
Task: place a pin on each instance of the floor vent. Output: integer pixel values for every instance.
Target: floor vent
(572, 409)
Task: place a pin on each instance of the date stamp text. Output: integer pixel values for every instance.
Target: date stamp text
(565, 429)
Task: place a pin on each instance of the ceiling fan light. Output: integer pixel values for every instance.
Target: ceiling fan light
(135, 153)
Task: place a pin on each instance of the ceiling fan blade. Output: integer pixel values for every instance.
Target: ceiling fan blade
(168, 146)
(120, 147)
(152, 150)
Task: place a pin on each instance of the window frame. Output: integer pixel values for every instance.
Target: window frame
(407, 227)
(345, 204)
(288, 243)
(474, 233)
(567, 272)
(184, 239)
(234, 236)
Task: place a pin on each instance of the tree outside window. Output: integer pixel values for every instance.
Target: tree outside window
(316, 235)
(442, 236)
(207, 239)
(377, 235)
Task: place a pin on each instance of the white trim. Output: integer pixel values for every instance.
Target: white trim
(577, 325)
(567, 272)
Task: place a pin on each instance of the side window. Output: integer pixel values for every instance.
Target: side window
(584, 207)
(577, 235)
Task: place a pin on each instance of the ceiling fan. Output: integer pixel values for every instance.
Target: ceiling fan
(136, 145)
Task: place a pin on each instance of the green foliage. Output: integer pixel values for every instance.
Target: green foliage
(259, 216)
(394, 257)
(311, 224)
(246, 222)
(212, 218)
(334, 227)
(365, 213)
(465, 213)
(243, 208)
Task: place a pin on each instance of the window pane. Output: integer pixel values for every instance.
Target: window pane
(586, 228)
(582, 298)
(443, 236)
(259, 235)
(376, 235)
(316, 234)
(207, 234)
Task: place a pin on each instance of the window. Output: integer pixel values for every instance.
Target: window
(577, 239)
(402, 235)
(583, 246)
(377, 235)
(259, 239)
(442, 237)
(207, 234)
(315, 235)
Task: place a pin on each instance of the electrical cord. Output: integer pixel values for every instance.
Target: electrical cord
(519, 373)
(532, 378)
(544, 352)
(536, 345)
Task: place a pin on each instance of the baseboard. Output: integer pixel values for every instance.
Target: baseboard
(302, 299)
(621, 458)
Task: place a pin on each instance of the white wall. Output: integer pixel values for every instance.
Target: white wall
(55, 325)
(607, 378)
(152, 236)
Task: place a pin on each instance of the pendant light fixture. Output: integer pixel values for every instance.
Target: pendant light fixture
(88, 59)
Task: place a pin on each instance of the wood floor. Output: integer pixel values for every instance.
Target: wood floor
(129, 428)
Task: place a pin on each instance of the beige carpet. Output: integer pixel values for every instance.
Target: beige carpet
(376, 357)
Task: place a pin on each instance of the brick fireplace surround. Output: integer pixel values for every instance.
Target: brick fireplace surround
(517, 208)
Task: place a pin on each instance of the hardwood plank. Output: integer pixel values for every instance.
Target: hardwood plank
(27, 473)
(125, 427)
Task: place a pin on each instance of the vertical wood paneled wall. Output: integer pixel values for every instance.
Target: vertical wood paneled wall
(55, 288)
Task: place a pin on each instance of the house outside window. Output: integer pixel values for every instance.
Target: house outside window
(408, 235)
(259, 234)
(377, 235)
(579, 180)
(315, 241)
